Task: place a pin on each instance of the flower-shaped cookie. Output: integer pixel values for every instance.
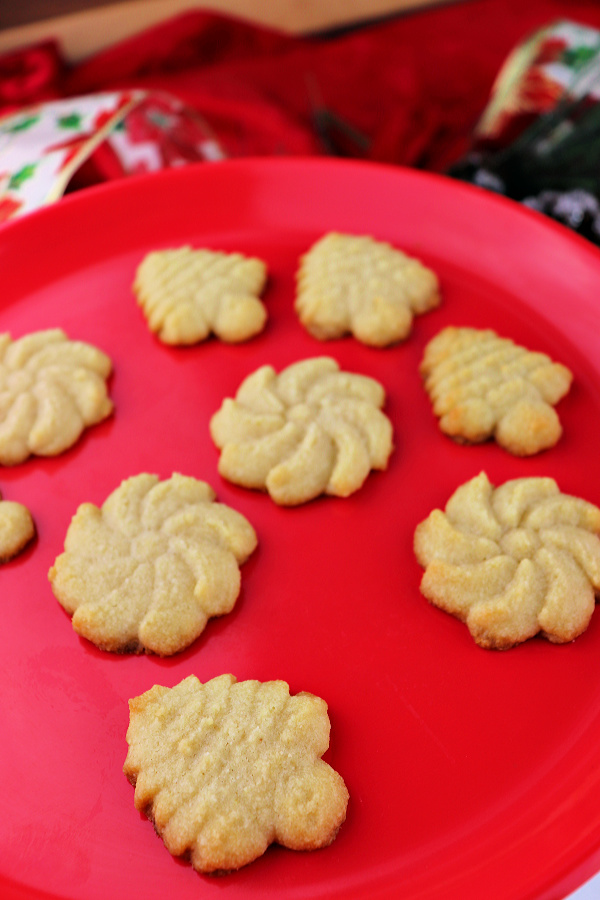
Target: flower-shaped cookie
(226, 768)
(355, 284)
(17, 528)
(312, 429)
(51, 388)
(188, 294)
(513, 561)
(484, 386)
(147, 569)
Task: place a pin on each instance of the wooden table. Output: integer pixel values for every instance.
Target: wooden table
(84, 27)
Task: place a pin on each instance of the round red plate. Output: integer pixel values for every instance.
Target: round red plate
(472, 773)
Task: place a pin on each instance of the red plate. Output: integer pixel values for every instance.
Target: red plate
(472, 773)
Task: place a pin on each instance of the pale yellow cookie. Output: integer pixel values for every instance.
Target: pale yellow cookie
(146, 570)
(312, 429)
(513, 561)
(188, 294)
(484, 386)
(51, 389)
(226, 768)
(348, 284)
(17, 528)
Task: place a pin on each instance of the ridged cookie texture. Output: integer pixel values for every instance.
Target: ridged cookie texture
(513, 560)
(51, 389)
(483, 386)
(309, 430)
(17, 528)
(147, 569)
(349, 284)
(186, 294)
(226, 768)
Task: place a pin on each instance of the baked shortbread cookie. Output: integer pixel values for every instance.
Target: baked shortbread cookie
(355, 284)
(51, 389)
(188, 294)
(512, 561)
(312, 429)
(146, 570)
(17, 528)
(484, 386)
(224, 769)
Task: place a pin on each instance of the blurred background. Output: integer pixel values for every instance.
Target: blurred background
(497, 92)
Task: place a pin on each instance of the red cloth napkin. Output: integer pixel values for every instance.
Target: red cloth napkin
(406, 90)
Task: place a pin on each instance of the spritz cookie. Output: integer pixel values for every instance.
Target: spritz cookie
(188, 294)
(512, 561)
(348, 284)
(309, 430)
(484, 386)
(51, 389)
(17, 528)
(226, 768)
(146, 570)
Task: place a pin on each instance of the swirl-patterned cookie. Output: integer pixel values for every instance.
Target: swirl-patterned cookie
(309, 430)
(226, 768)
(512, 561)
(348, 284)
(483, 386)
(147, 569)
(51, 389)
(17, 528)
(188, 294)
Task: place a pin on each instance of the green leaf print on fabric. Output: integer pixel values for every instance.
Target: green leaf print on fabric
(22, 175)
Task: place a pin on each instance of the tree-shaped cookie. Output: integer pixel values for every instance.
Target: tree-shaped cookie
(225, 768)
(51, 388)
(147, 569)
(188, 294)
(17, 528)
(349, 284)
(310, 429)
(513, 561)
(484, 386)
